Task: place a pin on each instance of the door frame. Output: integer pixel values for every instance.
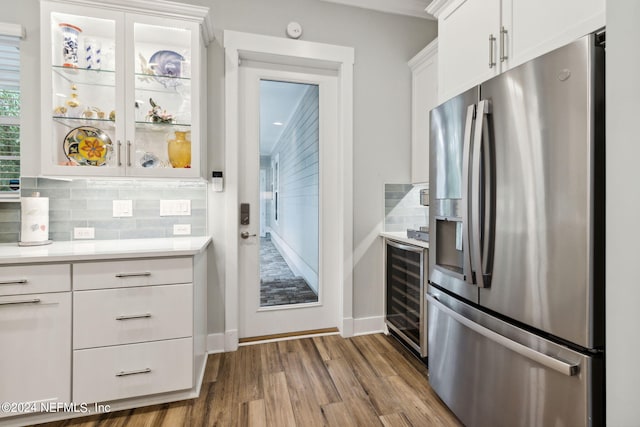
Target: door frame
(238, 46)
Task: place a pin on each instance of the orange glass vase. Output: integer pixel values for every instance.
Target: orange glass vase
(180, 150)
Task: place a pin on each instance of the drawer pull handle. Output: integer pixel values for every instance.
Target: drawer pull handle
(143, 274)
(14, 282)
(28, 301)
(139, 371)
(134, 316)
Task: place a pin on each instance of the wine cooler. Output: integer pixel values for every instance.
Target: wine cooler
(406, 278)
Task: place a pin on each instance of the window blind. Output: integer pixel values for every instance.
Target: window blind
(9, 116)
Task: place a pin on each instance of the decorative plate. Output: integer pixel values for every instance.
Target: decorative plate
(166, 63)
(87, 146)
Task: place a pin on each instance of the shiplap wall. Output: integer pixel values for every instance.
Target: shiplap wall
(298, 150)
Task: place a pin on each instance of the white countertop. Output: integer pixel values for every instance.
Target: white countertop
(401, 236)
(83, 250)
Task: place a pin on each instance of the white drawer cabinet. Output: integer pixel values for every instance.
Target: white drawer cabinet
(110, 373)
(121, 329)
(122, 316)
(32, 279)
(35, 354)
(133, 327)
(139, 272)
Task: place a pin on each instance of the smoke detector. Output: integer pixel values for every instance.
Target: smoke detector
(294, 30)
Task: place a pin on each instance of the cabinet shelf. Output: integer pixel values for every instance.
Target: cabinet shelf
(73, 122)
(86, 76)
(162, 127)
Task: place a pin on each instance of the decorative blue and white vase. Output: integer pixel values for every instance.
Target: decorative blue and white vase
(70, 45)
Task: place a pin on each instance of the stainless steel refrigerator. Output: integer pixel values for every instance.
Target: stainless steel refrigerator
(516, 294)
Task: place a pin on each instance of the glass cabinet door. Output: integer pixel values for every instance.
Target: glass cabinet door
(84, 114)
(160, 140)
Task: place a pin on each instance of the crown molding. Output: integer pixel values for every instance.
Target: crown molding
(415, 8)
(436, 7)
(424, 55)
(166, 8)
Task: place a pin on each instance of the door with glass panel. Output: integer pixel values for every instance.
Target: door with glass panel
(288, 195)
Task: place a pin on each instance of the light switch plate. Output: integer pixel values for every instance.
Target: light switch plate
(84, 233)
(181, 229)
(175, 207)
(122, 208)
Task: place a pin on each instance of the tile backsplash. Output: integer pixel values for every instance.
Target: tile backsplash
(402, 207)
(89, 203)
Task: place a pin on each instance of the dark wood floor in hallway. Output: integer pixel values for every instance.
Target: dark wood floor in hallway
(322, 381)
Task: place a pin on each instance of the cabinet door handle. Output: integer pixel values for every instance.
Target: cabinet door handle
(139, 371)
(22, 302)
(118, 158)
(134, 316)
(492, 42)
(503, 44)
(128, 153)
(14, 282)
(142, 274)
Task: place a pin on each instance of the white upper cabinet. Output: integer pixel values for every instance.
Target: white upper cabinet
(541, 26)
(467, 56)
(479, 39)
(122, 87)
(424, 97)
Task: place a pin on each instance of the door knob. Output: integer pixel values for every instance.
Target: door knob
(246, 235)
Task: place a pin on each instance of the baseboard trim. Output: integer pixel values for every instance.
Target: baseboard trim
(231, 340)
(228, 341)
(296, 264)
(215, 343)
(368, 325)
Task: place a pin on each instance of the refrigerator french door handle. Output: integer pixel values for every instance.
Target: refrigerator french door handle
(488, 195)
(565, 368)
(475, 198)
(466, 161)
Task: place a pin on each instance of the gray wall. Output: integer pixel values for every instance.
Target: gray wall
(382, 84)
(623, 204)
(382, 99)
(298, 153)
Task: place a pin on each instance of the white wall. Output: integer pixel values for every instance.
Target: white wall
(623, 205)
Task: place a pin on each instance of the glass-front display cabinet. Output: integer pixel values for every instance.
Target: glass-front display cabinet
(122, 89)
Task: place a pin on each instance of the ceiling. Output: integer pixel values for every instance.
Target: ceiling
(278, 101)
(398, 7)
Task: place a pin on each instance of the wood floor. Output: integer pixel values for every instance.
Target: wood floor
(322, 381)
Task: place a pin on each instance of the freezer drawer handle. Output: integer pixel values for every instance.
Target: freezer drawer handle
(14, 282)
(139, 371)
(142, 274)
(134, 316)
(565, 368)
